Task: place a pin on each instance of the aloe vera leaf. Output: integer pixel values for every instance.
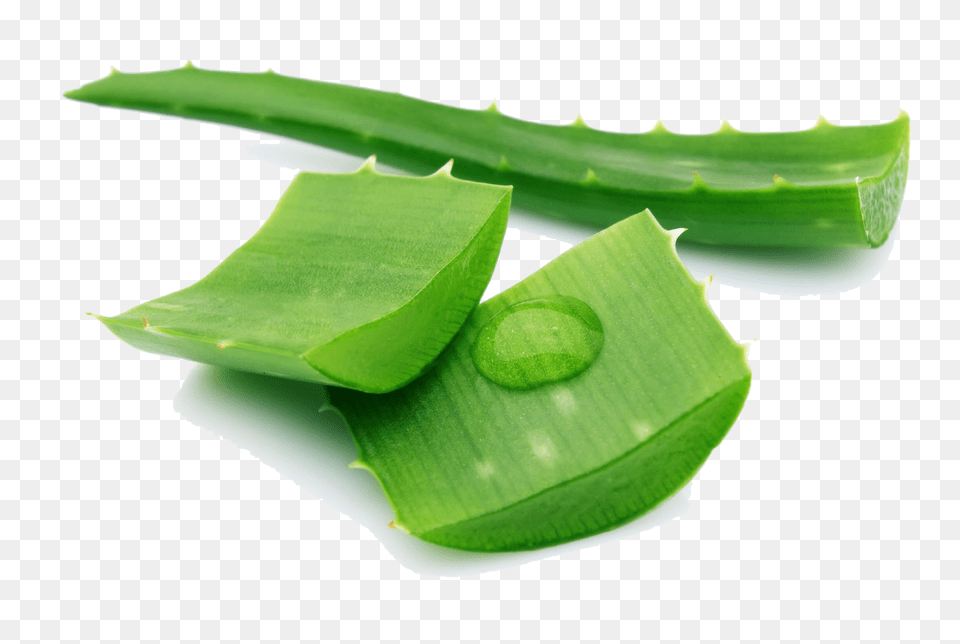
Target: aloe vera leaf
(827, 186)
(489, 460)
(357, 280)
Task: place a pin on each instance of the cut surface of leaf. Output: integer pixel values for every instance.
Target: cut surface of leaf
(827, 186)
(470, 461)
(357, 280)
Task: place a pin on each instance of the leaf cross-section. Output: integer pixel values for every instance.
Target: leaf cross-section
(470, 463)
(357, 280)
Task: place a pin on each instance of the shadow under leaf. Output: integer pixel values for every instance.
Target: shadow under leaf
(279, 422)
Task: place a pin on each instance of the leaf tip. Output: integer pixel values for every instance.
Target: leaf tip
(397, 526)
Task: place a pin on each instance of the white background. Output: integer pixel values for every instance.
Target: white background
(144, 498)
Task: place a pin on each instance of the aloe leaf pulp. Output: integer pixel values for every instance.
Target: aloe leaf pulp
(356, 280)
(567, 405)
(827, 186)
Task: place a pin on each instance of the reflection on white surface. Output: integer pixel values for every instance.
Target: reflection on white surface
(790, 272)
(277, 421)
(779, 271)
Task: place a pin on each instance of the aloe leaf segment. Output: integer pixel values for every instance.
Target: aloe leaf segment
(827, 186)
(357, 280)
(628, 384)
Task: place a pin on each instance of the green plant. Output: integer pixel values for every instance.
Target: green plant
(567, 405)
(355, 280)
(827, 186)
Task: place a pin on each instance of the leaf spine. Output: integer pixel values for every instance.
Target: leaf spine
(659, 128)
(725, 127)
(674, 234)
(503, 166)
(823, 122)
(396, 526)
(114, 71)
(146, 325)
(188, 65)
(698, 182)
(590, 179)
(579, 122)
(492, 107)
(780, 183)
(369, 165)
(444, 170)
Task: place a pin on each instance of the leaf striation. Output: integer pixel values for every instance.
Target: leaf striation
(470, 463)
(842, 186)
(358, 280)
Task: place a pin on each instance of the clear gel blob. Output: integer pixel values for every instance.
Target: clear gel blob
(537, 342)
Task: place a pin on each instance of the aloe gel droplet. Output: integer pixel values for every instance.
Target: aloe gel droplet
(537, 342)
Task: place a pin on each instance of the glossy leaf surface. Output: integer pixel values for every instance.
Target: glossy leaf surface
(827, 186)
(357, 280)
(472, 464)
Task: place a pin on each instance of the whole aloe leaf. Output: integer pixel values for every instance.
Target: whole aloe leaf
(827, 186)
(357, 280)
(569, 404)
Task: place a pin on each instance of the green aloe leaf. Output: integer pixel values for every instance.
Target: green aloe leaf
(569, 404)
(827, 186)
(358, 280)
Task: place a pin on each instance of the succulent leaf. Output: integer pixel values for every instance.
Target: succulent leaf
(568, 404)
(341, 285)
(852, 177)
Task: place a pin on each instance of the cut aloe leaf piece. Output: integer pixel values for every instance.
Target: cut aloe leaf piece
(569, 404)
(357, 280)
(827, 186)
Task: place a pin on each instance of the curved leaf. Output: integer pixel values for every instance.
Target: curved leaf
(471, 461)
(357, 280)
(827, 186)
